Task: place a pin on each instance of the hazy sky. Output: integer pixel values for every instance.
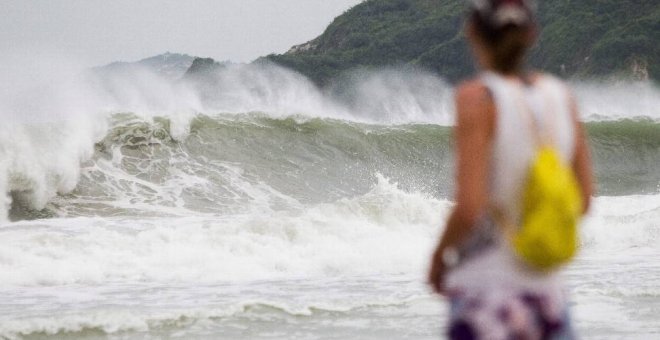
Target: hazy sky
(97, 32)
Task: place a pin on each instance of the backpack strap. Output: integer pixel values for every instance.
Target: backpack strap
(533, 112)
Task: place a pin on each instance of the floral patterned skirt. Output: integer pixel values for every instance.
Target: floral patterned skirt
(528, 316)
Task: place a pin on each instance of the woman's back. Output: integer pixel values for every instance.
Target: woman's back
(523, 113)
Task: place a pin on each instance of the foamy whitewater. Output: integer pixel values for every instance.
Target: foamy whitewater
(254, 205)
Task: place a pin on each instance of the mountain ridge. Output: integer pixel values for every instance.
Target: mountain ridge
(171, 66)
(582, 39)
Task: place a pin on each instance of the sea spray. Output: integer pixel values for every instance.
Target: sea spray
(392, 96)
(41, 160)
(612, 101)
(54, 127)
(262, 206)
(49, 127)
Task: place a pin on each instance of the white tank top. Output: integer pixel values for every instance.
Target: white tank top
(547, 102)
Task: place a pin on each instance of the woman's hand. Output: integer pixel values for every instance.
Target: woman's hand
(436, 276)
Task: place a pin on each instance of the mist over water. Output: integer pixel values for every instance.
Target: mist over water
(55, 119)
(237, 194)
(77, 108)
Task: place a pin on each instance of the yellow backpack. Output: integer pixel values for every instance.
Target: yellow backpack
(551, 208)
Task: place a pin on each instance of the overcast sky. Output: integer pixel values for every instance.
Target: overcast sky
(98, 32)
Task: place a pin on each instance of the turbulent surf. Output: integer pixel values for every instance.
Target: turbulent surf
(253, 204)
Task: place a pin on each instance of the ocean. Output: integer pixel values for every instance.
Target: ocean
(253, 205)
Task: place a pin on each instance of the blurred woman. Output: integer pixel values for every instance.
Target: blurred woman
(493, 295)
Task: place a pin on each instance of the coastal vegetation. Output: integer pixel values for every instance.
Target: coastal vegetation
(586, 38)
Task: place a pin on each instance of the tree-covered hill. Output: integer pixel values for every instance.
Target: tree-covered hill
(580, 38)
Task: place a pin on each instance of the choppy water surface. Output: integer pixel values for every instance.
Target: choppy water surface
(260, 207)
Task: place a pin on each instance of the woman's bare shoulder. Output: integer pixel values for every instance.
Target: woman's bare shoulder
(471, 89)
(474, 103)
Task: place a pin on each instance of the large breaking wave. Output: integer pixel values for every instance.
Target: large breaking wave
(260, 130)
(157, 197)
(233, 163)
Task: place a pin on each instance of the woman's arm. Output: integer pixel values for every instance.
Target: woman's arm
(582, 160)
(473, 136)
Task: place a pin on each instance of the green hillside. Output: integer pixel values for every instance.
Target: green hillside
(578, 38)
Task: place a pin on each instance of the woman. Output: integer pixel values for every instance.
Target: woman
(492, 295)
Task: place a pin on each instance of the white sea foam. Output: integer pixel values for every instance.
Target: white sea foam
(380, 232)
(384, 231)
(55, 119)
(49, 128)
(157, 308)
(41, 160)
(623, 223)
(178, 272)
